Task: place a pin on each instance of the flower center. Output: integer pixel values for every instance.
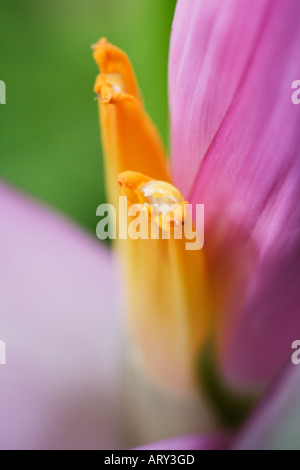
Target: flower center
(166, 295)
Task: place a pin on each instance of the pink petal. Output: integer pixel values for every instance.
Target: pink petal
(276, 423)
(212, 45)
(190, 442)
(60, 325)
(236, 148)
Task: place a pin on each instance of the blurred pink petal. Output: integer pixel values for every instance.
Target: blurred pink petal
(190, 442)
(276, 423)
(236, 148)
(60, 325)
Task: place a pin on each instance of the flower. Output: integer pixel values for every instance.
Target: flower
(233, 152)
(224, 306)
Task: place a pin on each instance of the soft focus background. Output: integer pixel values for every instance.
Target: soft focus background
(49, 133)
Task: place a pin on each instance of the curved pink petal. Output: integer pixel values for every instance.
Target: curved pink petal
(212, 45)
(236, 148)
(276, 423)
(190, 442)
(60, 325)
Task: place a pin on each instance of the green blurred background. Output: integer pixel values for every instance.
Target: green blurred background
(49, 132)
